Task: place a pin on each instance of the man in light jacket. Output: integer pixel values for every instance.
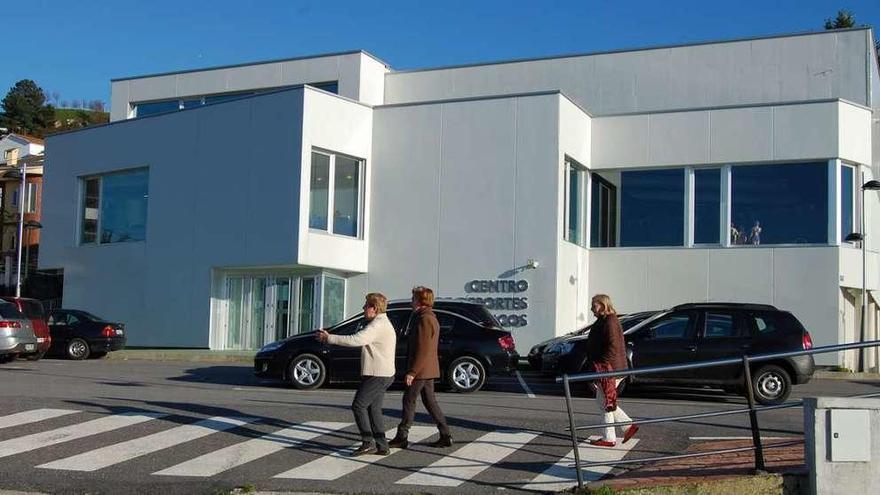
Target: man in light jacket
(377, 342)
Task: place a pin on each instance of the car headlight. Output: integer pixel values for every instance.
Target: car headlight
(272, 346)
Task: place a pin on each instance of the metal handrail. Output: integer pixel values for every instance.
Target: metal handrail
(751, 410)
(579, 377)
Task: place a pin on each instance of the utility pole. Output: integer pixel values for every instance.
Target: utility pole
(21, 202)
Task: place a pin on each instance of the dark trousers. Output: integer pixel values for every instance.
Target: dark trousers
(367, 408)
(425, 388)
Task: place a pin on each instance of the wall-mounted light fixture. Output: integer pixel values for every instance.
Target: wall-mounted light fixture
(532, 263)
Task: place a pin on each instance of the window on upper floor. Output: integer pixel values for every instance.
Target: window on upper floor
(652, 208)
(146, 108)
(603, 221)
(779, 204)
(335, 193)
(847, 201)
(114, 207)
(575, 229)
(707, 206)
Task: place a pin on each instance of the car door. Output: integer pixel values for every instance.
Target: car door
(723, 334)
(345, 362)
(670, 339)
(59, 329)
(453, 336)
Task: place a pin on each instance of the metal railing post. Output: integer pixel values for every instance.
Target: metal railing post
(753, 415)
(574, 434)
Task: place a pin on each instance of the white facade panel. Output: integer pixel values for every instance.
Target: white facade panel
(741, 134)
(768, 70)
(805, 131)
(681, 137)
(372, 80)
(336, 125)
(854, 133)
(201, 83)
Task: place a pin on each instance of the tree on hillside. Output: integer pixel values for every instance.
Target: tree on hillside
(845, 19)
(25, 109)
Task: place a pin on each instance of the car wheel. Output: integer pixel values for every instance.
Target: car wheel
(772, 385)
(6, 358)
(466, 374)
(306, 372)
(77, 349)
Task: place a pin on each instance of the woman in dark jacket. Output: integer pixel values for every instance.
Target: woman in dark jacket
(606, 350)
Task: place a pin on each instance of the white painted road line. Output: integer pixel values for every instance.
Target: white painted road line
(470, 460)
(524, 385)
(562, 475)
(339, 464)
(32, 416)
(73, 432)
(242, 453)
(121, 452)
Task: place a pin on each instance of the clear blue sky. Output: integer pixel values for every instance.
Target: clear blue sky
(75, 48)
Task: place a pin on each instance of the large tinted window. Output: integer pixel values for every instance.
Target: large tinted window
(671, 327)
(575, 203)
(346, 196)
(334, 300)
(124, 207)
(320, 190)
(779, 204)
(652, 208)
(847, 203)
(707, 206)
(603, 219)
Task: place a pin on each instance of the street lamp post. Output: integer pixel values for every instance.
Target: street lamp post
(860, 237)
(21, 202)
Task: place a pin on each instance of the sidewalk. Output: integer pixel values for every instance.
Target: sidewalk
(186, 355)
(717, 473)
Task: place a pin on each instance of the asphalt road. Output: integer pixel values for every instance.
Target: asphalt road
(145, 427)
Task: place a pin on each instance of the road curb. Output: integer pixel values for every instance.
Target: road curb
(185, 355)
(843, 375)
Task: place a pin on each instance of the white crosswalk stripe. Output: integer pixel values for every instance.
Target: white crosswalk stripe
(562, 475)
(121, 452)
(34, 416)
(338, 464)
(242, 453)
(73, 432)
(472, 459)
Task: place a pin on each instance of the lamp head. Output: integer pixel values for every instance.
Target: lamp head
(871, 185)
(854, 237)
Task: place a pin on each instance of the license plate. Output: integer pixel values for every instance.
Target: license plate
(29, 347)
(118, 332)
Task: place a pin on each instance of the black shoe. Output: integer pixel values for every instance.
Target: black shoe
(398, 443)
(442, 442)
(364, 449)
(382, 451)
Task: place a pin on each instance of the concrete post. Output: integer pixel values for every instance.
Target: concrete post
(842, 444)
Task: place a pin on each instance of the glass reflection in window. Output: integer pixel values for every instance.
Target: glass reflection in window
(779, 204)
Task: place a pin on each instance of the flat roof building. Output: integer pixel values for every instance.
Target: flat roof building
(228, 207)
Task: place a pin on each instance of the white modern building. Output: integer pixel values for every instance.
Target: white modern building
(224, 208)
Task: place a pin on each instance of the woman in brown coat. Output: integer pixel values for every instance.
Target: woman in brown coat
(606, 351)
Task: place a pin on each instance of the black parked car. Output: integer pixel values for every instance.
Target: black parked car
(708, 331)
(78, 334)
(473, 346)
(565, 354)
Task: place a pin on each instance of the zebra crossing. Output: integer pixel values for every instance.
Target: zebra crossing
(464, 463)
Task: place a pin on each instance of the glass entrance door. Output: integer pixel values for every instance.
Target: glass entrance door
(257, 311)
